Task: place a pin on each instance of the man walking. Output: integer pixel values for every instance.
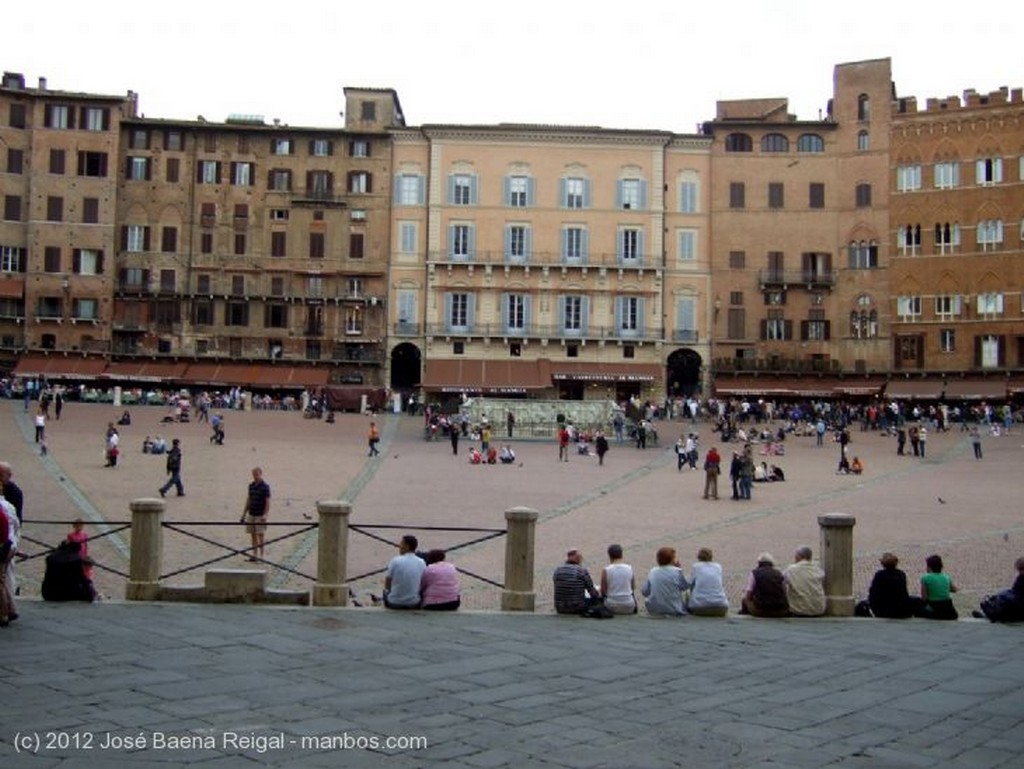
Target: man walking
(256, 512)
(173, 470)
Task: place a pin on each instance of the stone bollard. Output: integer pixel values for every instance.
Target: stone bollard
(519, 594)
(332, 553)
(837, 561)
(147, 543)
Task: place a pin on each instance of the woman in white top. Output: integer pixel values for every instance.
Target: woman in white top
(618, 585)
(707, 594)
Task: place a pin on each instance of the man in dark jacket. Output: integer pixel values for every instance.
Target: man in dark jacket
(766, 590)
(173, 470)
(64, 579)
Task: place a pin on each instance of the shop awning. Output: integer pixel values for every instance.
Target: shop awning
(146, 371)
(458, 375)
(778, 387)
(264, 376)
(922, 389)
(976, 389)
(605, 372)
(60, 367)
(273, 376)
(1015, 386)
(12, 288)
(870, 385)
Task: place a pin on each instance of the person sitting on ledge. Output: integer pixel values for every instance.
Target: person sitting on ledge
(888, 596)
(575, 591)
(1007, 605)
(805, 585)
(936, 591)
(766, 590)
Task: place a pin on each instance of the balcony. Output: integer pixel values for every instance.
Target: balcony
(595, 333)
(404, 328)
(785, 279)
(540, 259)
(687, 335)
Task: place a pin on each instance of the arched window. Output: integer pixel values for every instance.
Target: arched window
(810, 143)
(739, 143)
(863, 108)
(774, 143)
(863, 141)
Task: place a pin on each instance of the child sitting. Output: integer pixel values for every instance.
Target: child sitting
(856, 467)
(475, 457)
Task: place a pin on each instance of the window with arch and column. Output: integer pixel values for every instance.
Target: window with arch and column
(774, 143)
(739, 142)
(864, 319)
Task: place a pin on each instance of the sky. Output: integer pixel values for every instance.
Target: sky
(639, 64)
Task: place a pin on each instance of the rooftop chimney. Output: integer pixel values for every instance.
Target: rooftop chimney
(42, 83)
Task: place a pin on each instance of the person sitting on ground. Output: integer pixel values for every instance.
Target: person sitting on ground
(707, 593)
(888, 596)
(936, 591)
(159, 446)
(492, 455)
(775, 473)
(575, 591)
(475, 457)
(766, 590)
(583, 448)
(64, 578)
(1008, 605)
(126, 418)
(439, 585)
(404, 575)
(664, 586)
(618, 583)
(507, 456)
(761, 473)
(147, 445)
(805, 585)
(856, 467)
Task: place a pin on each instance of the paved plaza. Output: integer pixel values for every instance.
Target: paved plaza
(117, 683)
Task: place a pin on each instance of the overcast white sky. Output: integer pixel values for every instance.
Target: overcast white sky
(654, 64)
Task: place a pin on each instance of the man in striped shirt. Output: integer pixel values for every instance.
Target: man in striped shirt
(574, 589)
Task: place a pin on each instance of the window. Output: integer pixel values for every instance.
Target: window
(632, 194)
(687, 245)
(863, 255)
(574, 244)
(776, 195)
(864, 321)
(990, 304)
(56, 161)
(95, 119)
(241, 214)
(518, 239)
(737, 195)
(90, 210)
(353, 320)
(242, 174)
(462, 189)
(315, 287)
(138, 169)
(136, 238)
(947, 238)
(138, 139)
(85, 309)
(630, 246)
(173, 140)
(49, 307)
(355, 288)
(575, 192)
(282, 147)
(206, 242)
(629, 315)
(280, 180)
(92, 164)
(12, 259)
(168, 281)
(947, 175)
(988, 351)
(407, 311)
(518, 191)
(209, 172)
(988, 171)
(515, 312)
(277, 286)
(863, 141)
(275, 315)
(321, 148)
(52, 259)
(863, 195)
(355, 245)
(460, 241)
(409, 190)
(774, 143)
(17, 116)
(776, 267)
(12, 208)
(737, 260)
(816, 327)
(947, 340)
(775, 326)
(15, 161)
(202, 284)
(816, 195)
(408, 237)
(908, 178)
(947, 306)
(990, 234)
(58, 116)
(360, 182)
(689, 201)
(739, 143)
(810, 143)
(458, 312)
(320, 184)
(236, 314)
(240, 244)
(317, 245)
(207, 214)
(908, 308)
(359, 148)
(368, 111)
(279, 214)
(134, 279)
(686, 319)
(908, 239)
(54, 209)
(573, 314)
(279, 244)
(169, 240)
(863, 107)
(238, 285)
(210, 142)
(173, 172)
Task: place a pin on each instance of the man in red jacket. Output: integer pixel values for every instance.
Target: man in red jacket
(712, 467)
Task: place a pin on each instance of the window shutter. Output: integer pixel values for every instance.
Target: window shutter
(127, 168)
(48, 115)
(217, 176)
(451, 189)
(764, 329)
(618, 312)
(787, 329)
(527, 243)
(369, 182)
(643, 194)
(561, 312)
(804, 330)
(396, 195)
(640, 247)
(473, 190)
(506, 316)
(1001, 340)
(584, 313)
(828, 329)
(584, 244)
(420, 184)
(71, 117)
(508, 240)
(470, 310)
(451, 241)
(124, 237)
(641, 316)
(149, 168)
(563, 193)
(979, 174)
(199, 172)
(76, 261)
(472, 242)
(565, 245)
(106, 118)
(99, 262)
(618, 194)
(530, 191)
(977, 351)
(330, 183)
(145, 238)
(309, 183)
(508, 190)
(527, 310)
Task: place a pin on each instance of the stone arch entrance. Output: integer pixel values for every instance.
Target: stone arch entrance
(406, 367)
(682, 375)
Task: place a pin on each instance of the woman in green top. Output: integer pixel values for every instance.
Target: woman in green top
(936, 589)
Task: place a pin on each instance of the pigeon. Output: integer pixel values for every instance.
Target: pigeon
(307, 516)
(942, 501)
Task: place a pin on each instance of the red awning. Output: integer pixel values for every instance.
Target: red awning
(257, 375)
(976, 389)
(458, 375)
(12, 288)
(60, 366)
(146, 371)
(781, 387)
(1015, 386)
(278, 375)
(868, 385)
(605, 372)
(924, 389)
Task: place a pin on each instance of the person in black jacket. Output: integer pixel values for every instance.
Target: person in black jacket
(888, 595)
(173, 470)
(64, 579)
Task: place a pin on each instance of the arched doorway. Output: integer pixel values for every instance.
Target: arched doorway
(682, 375)
(405, 368)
